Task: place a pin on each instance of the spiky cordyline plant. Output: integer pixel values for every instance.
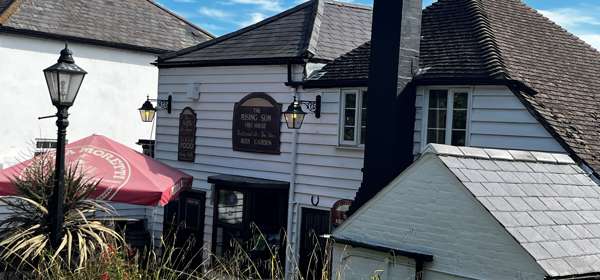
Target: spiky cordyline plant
(24, 235)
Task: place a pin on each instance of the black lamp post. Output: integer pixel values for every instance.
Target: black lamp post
(64, 80)
(294, 115)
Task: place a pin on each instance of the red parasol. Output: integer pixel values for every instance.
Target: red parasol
(126, 175)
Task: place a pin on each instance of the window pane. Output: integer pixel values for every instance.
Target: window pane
(230, 207)
(437, 136)
(350, 100)
(438, 99)
(461, 100)
(363, 134)
(459, 138)
(437, 119)
(350, 116)
(348, 133)
(459, 119)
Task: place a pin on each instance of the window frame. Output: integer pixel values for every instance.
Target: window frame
(449, 113)
(359, 92)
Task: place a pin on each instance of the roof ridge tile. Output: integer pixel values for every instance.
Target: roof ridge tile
(498, 154)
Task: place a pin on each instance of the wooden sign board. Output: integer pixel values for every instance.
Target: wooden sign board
(257, 124)
(187, 136)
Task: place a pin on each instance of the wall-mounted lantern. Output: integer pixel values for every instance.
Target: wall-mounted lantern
(294, 115)
(148, 111)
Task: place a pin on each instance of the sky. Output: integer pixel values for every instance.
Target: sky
(580, 17)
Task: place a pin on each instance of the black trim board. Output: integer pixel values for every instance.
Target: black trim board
(232, 62)
(419, 256)
(246, 182)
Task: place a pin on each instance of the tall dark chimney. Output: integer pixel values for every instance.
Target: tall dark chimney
(395, 43)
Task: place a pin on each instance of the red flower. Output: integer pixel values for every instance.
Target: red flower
(105, 276)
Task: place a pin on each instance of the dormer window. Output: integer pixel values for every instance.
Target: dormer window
(446, 114)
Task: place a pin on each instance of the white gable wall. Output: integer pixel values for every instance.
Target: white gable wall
(117, 83)
(427, 209)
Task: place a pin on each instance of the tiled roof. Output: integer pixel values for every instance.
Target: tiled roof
(504, 41)
(319, 29)
(135, 24)
(545, 201)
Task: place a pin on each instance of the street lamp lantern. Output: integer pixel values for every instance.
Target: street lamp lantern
(294, 115)
(64, 79)
(147, 111)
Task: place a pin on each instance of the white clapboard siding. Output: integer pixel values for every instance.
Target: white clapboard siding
(498, 119)
(322, 169)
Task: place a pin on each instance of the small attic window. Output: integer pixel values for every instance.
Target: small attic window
(446, 114)
(353, 117)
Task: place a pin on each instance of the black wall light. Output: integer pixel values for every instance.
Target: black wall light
(148, 111)
(294, 115)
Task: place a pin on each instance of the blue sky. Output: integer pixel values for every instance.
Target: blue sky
(581, 17)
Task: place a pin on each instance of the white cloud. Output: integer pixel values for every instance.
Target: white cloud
(254, 18)
(570, 18)
(266, 5)
(214, 13)
(592, 39)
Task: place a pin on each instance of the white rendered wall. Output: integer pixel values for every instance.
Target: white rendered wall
(116, 85)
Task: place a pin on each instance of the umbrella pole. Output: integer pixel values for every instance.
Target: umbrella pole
(56, 203)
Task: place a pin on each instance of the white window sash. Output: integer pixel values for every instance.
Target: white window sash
(449, 113)
(357, 117)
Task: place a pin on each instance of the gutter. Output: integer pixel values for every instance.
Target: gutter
(586, 276)
(230, 62)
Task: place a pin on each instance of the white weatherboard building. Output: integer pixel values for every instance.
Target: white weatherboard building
(114, 42)
(471, 88)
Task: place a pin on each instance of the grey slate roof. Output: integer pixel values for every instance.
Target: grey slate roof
(320, 30)
(545, 201)
(556, 74)
(133, 24)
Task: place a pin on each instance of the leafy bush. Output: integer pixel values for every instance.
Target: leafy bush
(24, 234)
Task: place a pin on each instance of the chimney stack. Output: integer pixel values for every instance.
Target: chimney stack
(395, 44)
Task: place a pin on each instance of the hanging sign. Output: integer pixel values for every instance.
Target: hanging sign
(257, 124)
(187, 136)
(339, 212)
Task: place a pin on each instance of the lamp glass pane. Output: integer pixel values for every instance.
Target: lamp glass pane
(52, 82)
(147, 115)
(68, 86)
(294, 120)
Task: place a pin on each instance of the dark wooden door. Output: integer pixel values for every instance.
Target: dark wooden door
(314, 224)
(184, 226)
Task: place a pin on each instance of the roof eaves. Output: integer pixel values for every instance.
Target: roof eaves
(385, 249)
(587, 276)
(232, 34)
(33, 33)
(181, 18)
(231, 62)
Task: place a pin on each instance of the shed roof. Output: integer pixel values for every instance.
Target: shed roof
(320, 30)
(545, 201)
(504, 42)
(132, 24)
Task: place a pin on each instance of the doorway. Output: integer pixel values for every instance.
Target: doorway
(183, 226)
(250, 215)
(313, 251)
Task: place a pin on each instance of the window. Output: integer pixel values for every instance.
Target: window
(446, 116)
(353, 118)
